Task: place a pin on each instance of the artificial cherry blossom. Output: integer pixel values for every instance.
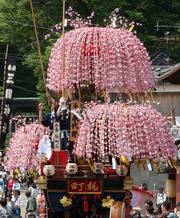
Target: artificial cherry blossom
(137, 131)
(22, 151)
(110, 59)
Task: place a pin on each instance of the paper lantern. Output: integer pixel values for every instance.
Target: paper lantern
(49, 170)
(109, 59)
(171, 188)
(71, 168)
(122, 170)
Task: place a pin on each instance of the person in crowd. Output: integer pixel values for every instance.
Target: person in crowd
(161, 196)
(176, 209)
(166, 210)
(33, 189)
(5, 182)
(16, 186)
(31, 206)
(144, 186)
(9, 205)
(158, 211)
(149, 208)
(3, 211)
(135, 213)
(40, 200)
(10, 183)
(17, 203)
(2, 186)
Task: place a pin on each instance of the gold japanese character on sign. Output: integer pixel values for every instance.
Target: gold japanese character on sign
(92, 186)
(77, 186)
(74, 186)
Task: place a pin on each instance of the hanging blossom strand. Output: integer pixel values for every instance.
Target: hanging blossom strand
(110, 59)
(137, 131)
(22, 151)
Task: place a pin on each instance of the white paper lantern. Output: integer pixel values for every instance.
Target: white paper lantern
(71, 168)
(49, 170)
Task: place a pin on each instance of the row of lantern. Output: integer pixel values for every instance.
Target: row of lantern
(98, 168)
(121, 170)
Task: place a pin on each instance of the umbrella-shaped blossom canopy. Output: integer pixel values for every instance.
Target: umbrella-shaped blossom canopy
(109, 59)
(22, 151)
(137, 131)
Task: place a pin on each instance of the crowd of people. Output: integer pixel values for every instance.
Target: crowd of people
(161, 209)
(11, 200)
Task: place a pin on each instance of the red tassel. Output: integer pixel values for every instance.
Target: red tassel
(41, 169)
(86, 205)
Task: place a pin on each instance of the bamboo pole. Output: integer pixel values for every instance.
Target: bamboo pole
(39, 51)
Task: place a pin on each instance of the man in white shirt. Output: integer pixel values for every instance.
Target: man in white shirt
(17, 203)
(161, 196)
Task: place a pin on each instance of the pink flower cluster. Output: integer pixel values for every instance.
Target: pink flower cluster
(22, 151)
(137, 131)
(110, 59)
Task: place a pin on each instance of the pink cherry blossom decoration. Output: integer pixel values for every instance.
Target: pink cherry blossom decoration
(22, 151)
(137, 131)
(110, 59)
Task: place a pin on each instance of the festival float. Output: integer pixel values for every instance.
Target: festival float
(23, 156)
(85, 156)
(89, 171)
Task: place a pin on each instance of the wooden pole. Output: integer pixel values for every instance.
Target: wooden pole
(63, 48)
(39, 51)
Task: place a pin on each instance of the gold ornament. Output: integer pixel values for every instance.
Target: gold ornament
(124, 160)
(41, 182)
(107, 202)
(66, 202)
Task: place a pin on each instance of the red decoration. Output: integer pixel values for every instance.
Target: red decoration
(109, 171)
(59, 158)
(86, 205)
(84, 186)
